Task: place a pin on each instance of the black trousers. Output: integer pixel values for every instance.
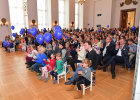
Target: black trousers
(54, 74)
(81, 80)
(113, 61)
(106, 59)
(72, 62)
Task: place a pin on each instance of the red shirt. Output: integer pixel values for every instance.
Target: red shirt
(51, 63)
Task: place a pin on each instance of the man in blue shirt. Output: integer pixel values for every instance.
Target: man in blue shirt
(132, 50)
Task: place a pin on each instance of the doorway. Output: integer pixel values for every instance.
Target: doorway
(127, 18)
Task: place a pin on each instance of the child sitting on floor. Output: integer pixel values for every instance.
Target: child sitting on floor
(58, 68)
(50, 65)
(84, 78)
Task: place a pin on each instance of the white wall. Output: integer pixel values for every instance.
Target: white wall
(103, 7)
(4, 13)
(117, 12)
(110, 10)
(89, 12)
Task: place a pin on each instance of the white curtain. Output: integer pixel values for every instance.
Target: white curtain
(76, 15)
(62, 13)
(17, 14)
(44, 13)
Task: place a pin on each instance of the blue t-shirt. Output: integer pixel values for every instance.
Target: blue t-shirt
(40, 59)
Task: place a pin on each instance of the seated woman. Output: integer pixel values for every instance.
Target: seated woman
(84, 78)
(68, 50)
(39, 62)
(81, 52)
(55, 47)
(62, 50)
(97, 45)
(48, 49)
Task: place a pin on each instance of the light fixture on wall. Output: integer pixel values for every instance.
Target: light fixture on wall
(33, 23)
(55, 23)
(121, 4)
(4, 22)
(128, 2)
(72, 24)
(135, 2)
(81, 2)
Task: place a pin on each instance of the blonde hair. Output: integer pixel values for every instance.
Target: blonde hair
(58, 55)
(86, 61)
(42, 49)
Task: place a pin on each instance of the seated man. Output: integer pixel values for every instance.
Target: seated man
(91, 55)
(121, 56)
(107, 50)
(132, 50)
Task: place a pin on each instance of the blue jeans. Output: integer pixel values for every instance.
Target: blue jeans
(92, 70)
(36, 67)
(76, 75)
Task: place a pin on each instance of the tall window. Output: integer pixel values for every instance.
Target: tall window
(62, 13)
(44, 13)
(76, 15)
(18, 15)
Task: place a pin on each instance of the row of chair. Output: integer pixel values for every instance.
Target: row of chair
(63, 75)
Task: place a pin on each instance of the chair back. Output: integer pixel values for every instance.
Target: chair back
(64, 65)
(91, 76)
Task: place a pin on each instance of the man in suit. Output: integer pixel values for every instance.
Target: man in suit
(121, 56)
(107, 51)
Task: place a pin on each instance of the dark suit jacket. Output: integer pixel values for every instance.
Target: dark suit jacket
(110, 49)
(94, 57)
(124, 54)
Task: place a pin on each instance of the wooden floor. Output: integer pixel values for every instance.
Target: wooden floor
(18, 83)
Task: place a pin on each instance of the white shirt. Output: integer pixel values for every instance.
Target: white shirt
(104, 51)
(81, 53)
(119, 53)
